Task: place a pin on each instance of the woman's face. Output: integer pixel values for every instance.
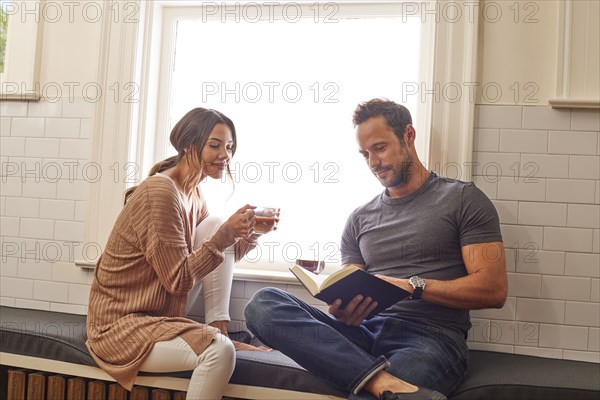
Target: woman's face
(217, 152)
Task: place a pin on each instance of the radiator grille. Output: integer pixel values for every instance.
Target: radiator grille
(34, 385)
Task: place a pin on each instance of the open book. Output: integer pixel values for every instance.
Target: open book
(347, 283)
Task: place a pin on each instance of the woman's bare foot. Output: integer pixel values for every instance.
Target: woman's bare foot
(246, 346)
(222, 325)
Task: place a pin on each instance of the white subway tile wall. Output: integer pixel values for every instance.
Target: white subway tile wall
(544, 214)
(568, 239)
(563, 336)
(540, 166)
(521, 141)
(546, 118)
(535, 261)
(585, 120)
(571, 142)
(594, 339)
(595, 296)
(585, 314)
(555, 185)
(583, 216)
(7, 301)
(32, 304)
(585, 356)
(544, 166)
(539, 352)
(43, 203)
(524, 285)
(8, 267)
(5, 126)
(584, 167)
(486, 140)
(582, 264)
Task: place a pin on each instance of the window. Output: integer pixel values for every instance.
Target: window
(20, 50)
(135, 133)
(290, 83)
(3, 30)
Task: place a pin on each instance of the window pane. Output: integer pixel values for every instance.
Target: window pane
(291, 89)
(3, 32)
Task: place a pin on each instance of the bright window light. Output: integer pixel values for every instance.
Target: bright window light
(291, 89)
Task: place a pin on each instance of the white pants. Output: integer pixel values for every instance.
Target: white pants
(213, 368)
(216, 285)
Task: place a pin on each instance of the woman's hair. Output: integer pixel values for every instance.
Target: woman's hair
(191, 134)
(396, 116)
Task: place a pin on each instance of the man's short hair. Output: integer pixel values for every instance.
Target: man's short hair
(396, 116)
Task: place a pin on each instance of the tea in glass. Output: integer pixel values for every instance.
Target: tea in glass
(266, 219)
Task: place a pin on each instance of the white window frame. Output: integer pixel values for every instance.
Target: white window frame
(130, 53)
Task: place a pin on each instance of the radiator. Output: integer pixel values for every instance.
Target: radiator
(33, 385)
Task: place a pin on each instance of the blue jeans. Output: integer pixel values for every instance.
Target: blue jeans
(349, 356)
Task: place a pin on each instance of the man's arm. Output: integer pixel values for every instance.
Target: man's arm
(485, 286)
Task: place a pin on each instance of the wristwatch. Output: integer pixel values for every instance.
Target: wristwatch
(418, 285)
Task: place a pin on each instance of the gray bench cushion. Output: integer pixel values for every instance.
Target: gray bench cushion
(512, 376)
(491, 375)
(62, 337)
(44, 334)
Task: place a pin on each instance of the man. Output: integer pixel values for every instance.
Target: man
(435, 237)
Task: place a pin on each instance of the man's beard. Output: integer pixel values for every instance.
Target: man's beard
(401, 174)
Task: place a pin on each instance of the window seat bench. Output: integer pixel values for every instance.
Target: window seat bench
(54, 343)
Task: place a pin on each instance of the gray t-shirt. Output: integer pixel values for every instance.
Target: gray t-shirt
(422, 234)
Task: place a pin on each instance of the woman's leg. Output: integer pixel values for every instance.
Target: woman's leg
(212, 369)
(216, 286)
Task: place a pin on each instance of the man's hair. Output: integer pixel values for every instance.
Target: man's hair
(396, 116)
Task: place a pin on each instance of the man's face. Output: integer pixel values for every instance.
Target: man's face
(387, 157)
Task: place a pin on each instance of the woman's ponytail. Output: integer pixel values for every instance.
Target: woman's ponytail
(157, 168)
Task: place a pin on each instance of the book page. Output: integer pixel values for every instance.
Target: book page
(311, 281)
(336, 276)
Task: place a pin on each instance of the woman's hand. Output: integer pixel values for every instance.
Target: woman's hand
(242, 221)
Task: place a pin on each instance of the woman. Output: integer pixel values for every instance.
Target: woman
(162, 247)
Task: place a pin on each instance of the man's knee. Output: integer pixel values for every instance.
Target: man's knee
(258, 309)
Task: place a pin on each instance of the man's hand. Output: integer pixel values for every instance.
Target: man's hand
(355, 311)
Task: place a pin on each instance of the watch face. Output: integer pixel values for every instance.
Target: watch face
(416, 282)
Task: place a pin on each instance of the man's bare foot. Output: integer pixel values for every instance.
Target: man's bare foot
(246, 346)
(383, 381)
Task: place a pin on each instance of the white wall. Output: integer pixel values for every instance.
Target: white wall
(71, 46)
(553, 302)
(518, 52)
(521, 55)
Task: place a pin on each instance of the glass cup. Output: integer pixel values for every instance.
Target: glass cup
(314, 266)
(266, 219)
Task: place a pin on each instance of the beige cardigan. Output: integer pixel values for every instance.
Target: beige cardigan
(143, 277)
